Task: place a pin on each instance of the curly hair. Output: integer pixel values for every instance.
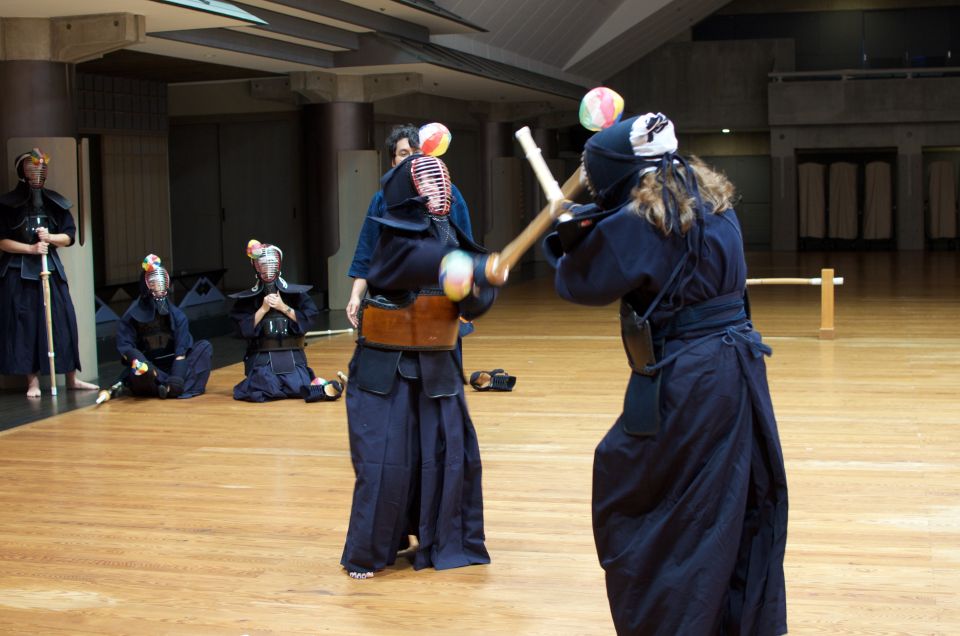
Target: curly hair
(405, 131)
(716, 193)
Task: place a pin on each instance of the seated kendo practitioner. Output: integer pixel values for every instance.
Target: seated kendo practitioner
(158, 352)
(274, 315)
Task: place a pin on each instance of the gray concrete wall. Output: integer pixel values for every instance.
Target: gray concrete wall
(706, 86)
(864, 101)
(903, 114)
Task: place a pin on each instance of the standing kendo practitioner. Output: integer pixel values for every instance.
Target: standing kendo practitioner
(689, 488)
(274, 316)
(35, 221)
(413, 446)
(158, 352)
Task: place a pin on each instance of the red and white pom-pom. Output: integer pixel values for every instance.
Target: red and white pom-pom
(254, 248)
(434, 139)
(151, 262)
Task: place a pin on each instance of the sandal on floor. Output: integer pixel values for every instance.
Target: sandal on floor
(496, 380)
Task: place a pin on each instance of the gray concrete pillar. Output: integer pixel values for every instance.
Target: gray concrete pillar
(496, 142)
(909, 216)
(37, 102)
(783, 203)
(329, 128)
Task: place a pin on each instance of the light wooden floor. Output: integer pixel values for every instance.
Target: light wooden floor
(210, 516)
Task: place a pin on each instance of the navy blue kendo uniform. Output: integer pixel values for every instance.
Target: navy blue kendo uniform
(414, 448)
(689, 487)
(275, 364)
(159, 333)
(370, 231)
(23, 336)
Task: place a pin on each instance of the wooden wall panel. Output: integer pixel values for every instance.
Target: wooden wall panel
(136, 203)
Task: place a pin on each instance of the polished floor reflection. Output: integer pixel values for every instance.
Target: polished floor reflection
(209, 516)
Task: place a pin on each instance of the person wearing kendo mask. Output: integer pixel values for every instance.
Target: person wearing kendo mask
(413, 445)
(689, 487)
(158, 352)
(274, 315)
(34, 221)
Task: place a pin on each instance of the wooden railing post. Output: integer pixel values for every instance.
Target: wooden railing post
(826, 304)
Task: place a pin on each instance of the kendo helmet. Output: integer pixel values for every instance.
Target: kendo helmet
(32, 168)
(266, 259)
(617, 157)
(156, 279)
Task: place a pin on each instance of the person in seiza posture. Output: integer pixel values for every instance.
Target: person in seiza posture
(35, 220)
(402, 142)
(413, 445)
(689, 487)
(158, 352)
(274, 315)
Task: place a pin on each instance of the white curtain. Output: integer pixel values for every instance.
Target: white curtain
(810, 188)
(843, 200)
(877, 202)
(943, 200)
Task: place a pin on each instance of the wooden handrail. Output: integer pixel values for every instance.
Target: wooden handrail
(827, 282)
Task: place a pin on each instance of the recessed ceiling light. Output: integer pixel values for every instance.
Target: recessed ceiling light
(725, 131)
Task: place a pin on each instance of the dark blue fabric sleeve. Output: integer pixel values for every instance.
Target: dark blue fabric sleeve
(65, 224)
(243, 313)
(622, 254)
(182, 338)
(459, 213)
(367, 241)
(306, 312)
(126, 336)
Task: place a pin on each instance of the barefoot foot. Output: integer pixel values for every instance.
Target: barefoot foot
(33, 386)
(73, 384)
(360, 575)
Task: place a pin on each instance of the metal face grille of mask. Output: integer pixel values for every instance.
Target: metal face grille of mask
(158, 282)
(432, 180)
(35, 174)
(268, 264)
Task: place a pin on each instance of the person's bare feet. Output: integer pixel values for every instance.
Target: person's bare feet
(76, 384)
(33, 386)
(360, 575)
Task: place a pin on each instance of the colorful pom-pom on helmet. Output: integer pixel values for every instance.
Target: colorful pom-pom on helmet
(267, 259)
(434, 139)
(151, 262)
(600, 108)
(254, 248)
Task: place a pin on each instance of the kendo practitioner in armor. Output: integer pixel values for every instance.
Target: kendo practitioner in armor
(402, 142)
(35, 221)
(273, 316)
(413, 446)
(158, 352)
(689, 488)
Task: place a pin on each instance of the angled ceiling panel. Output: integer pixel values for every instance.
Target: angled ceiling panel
(291, 26)
(385, 50)
(247, 43)
(631, 44)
